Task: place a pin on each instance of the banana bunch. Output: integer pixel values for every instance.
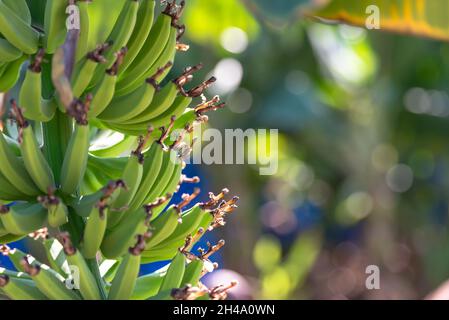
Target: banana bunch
(100, 213)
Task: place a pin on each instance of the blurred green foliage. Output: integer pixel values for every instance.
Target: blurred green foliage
(363, 159)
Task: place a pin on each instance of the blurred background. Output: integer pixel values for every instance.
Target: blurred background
(363, 174)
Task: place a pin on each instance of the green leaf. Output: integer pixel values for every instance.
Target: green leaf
(428, 18)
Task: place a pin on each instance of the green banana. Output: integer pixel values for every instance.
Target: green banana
(95, 229)
(167, 54)
(151, 168)
(84, 206)
(144, 22)
(34, 160)
(11, 74)
(104, 92)
(20, 289)
(87, 284)
(128, 143)
(121, 33)
(148, 285)
(175, 273)
(8, 52)
(48, 281)
(160, 103)
(193, 273)
(132, 176)
(57, 210)
(20, 7)
(85, 69)
(54, 24)
(125, 279)
(22, 219)
(163, 226)
(75, 159)
(30, 94)
(137, 100)
(8, 192)
(150, 51)
(165, 173)
(83, 40)
(116, 241)
(16, 31)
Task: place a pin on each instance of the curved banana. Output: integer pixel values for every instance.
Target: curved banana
(144, 22)
(167, 54)
(14, 170)
(116, 241)
(34, 160)
(20, 7)
(120, 34)
(22, 219)
(149, 53)
(48, 281)
(95, 229)
(137, 100)
(75, 159)
(30, 94)
(104, 92)
(83, 40)
(57, 210)
(20, 289)
(17, 31)
(163, 226)
(193, 273)
(175, 273)
(87, 284)
(54, 24)
(8, 192)
(161, 102)
(125, 279)
(8, 52)
(151, 167)
(11, 74)
(85, 69)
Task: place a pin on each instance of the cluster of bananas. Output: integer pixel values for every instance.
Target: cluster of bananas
(100, 211)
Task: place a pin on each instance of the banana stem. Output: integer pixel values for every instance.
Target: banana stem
(56, 136)
(94, 268)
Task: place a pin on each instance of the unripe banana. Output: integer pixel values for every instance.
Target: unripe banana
(162, 227)
(121, 33)
(150, 51)
(83, 40)
(104, 92)
(137, 100)
(145, 17)
(151, 168)
(125, 279)
(22, 219)
(88, 286)
(34, 160)
(20, 289)
(75, 159)
(30, 94)
(57, 210)
(11, 74)
(17, 31)
(85, 69)
(193, 273)
(175, 273)
(148, 285)
(8, 192)
(8, 52)
(54, 24)
(48, 281)
(95, 229)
